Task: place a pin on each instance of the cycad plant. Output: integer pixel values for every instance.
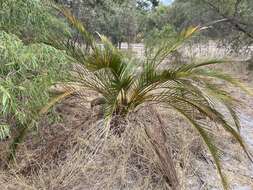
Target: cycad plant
(125, 85)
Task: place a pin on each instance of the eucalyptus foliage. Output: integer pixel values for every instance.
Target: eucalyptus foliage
(235, 28)
(26, 73)
(30, 20)
(156, 37)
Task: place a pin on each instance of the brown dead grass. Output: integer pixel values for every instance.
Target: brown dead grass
(75, 155)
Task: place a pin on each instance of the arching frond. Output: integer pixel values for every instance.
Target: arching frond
(169, 47)
(76, 24)
(210, 144)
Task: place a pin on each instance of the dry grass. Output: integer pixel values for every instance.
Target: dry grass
(76, 155)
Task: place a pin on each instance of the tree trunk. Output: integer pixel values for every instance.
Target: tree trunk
(157, 138)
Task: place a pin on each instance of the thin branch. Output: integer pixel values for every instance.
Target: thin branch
(232, 20)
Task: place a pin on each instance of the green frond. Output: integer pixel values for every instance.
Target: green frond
(151, 79)
(203, 106)
(227, 100)
(235, 116)
(77, 44)
(216, 116)
(106, 57)
(195, 65)
(188, 32)
(209, 143)
(170, 46)
(225, 77)
(55, 100)
(236, 136)
(211, 62)
(75, 23)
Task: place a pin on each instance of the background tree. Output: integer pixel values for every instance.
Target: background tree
(116, 19)
(121, 26)
(238, 13)
(31, 20)
(152, 21)
(235, 19)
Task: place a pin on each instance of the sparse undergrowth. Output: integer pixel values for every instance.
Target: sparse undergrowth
(60, 157)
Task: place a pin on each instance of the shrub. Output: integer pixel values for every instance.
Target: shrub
(26, 73)
(125, 86)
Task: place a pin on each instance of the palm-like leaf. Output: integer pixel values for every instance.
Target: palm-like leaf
(186, 88)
